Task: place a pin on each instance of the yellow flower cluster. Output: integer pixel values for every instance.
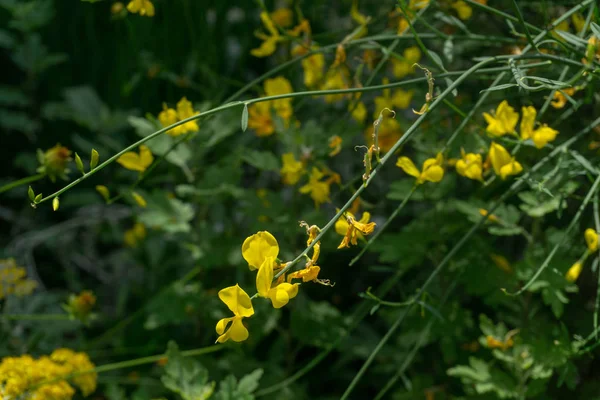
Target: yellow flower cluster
(19, 374)
(432, 171)
(591, 240)
(169, 116)
(260, 252)
(404, 67)
(142, 7)
(505, 120)
(260, 117)
(351, 229)
(13, 280)
(319, 188)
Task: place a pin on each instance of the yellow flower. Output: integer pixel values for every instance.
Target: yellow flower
(574, 272)
(307, 274)
(240, 305)
(277, 86)
(142, 7)
(13, 280)
(335, 144)
(578, 21)
(139, 199)
(540, 136)
(432, 169)
(260, 120)
(400, 99)
(502, 162)
(137, 162)
(318, 189)
(470, 166)
(54, 162)
(136, 234)
(591, 238)
(352, 229)
(116, 7)
(360, 19)
(402, 68)
(258, 247)
(389, 133)
(283, 17)
(559, 100)
(501, 262)
(80, 306)
(184, 111)
(292, 169)
(279, 295)
(313, 69)
(359, 111)
(270, 40)
(336, 78)
(494, 343)
(490, 217)
(463, 10)
(504, 120)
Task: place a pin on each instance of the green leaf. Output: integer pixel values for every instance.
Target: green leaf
(596, 29)
(185, 376)
(573, 39)
(31, 193)
(436, 59)
(170, 215)
(263, 160)
(230, 389)
(245, 118)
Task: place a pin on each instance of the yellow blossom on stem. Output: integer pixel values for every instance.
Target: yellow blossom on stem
(292, 169)
(309, 274)
(470, 166)
(135, 235)
(591, 239)
(336, 78)
(281, 293)
(139, 199)
(270, 40)
(352, 229)
(54, 162)
(277, 86)
(13, 280)
(318, 189)
(260, 120)
(574, 272)
(258, 247)
(185, 110)
(503, 121)
(240, 305)
(432, 169)
(335, 144)
(404, 67)
(490, 217)
(359, 111)
(540, 136)
(283, 17)
(559, 100)
(400, 99)
(137, 162)
(142, 7)
(313, 67)
(463, 10)
(503, 163)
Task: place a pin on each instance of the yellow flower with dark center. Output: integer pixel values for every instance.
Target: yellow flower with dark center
(540, 136)
(54, 162)
(503, 121)
(142, 7)
(281, 293)
(240, 305)
(137, 162)
(432, 170)
(503, 163)
(318, 189)
(292, 169)
(258, 247)
(591, 239)
(352, 229)
(470, 166)
(559, 100)
(574, 272)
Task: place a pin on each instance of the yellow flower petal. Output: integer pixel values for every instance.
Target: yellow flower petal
(237, 301)
(543, 135)
(408, 167)
(237, 331)
(139, 199)
(258, 247)
(591, 239)
(282, 293)
(527, 121)
(264, 277)
(574, 272)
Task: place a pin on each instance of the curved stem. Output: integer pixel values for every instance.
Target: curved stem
(22, 181)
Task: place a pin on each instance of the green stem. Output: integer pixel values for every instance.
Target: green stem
(22, 181)
(384, 226)
(36, 317)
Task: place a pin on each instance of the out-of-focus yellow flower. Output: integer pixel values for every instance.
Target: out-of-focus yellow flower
(80, 305)
(336, 78)
(309, 274)
(494, 343)
(369, 57)
(400, 99)
(292, 169)
(137, 162)
(335, 144)
(540, 136)
(559, 100)
(591, 239)
(240, 305)
(504, 120)
(360, 19)
(117, 7)
(283, 17)
(389, 133)
(318, 189)
(13, 280)
(277, 86)
(574, 272)
(463, 10)
(578, 22)
(139, 199)
(340, 56)
(135, 235)
(142, 7)
(313, 67)
(54, 162)
(104, 192)
(352, 229)
(592, 50)
(258, 247)
(502, 263)
(470, 166)
(402, 68)
(169, 116)
(270, 40)
(281, 293)
(359, 111)
(432, 171)
(563, 26)
(490, 217)
(260, 120)
(503, 163)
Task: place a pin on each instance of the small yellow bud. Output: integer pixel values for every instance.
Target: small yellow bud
(55, 204)
(94, 159)
(573, 272)
(104, 192)
(139, 199)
